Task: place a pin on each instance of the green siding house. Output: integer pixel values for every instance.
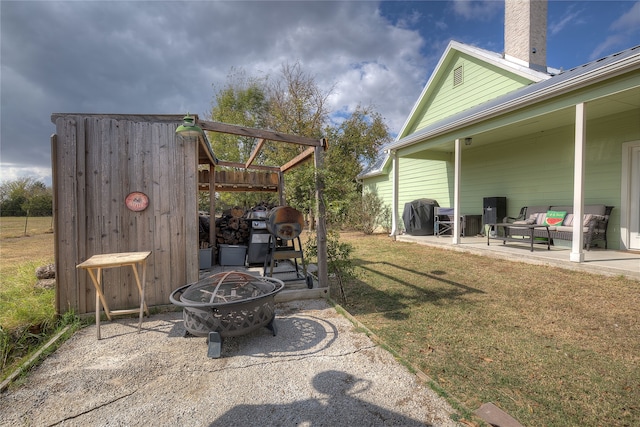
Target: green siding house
(489, 124)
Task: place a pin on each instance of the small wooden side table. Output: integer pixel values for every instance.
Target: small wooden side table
(97, 263)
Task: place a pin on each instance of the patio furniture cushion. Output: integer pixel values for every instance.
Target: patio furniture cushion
(536, 214)
(553, 218)
(567, 229)
(528, 221)
(594, 222)
(587, 218)
(537, 209)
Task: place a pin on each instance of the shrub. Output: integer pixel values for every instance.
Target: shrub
(371, 213)
(339, 263)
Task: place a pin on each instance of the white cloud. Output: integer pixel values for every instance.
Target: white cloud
(410, 20)
(441, 25)
(477, 9)
(630, 21)
(606, 46)
(622, 28)
(569, 17)
(11, 172)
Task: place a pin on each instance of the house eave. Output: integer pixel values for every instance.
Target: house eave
(625, 65)
(481, 54)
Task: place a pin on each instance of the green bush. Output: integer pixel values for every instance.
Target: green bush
(369, 214)
(339, 262)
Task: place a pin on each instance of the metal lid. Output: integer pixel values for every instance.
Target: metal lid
(285, 222)
(257, 215)
(228, 287)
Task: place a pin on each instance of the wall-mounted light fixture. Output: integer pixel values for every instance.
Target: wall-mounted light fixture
(468, 141)
(189, 128)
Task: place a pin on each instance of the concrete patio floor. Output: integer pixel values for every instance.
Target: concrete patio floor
(599, 261)
(319, 370)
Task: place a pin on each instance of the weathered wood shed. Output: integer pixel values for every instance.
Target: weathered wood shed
(98, 161)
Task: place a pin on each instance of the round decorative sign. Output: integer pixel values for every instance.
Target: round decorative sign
(137, 201)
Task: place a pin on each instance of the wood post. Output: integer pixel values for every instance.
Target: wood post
(281, 188)
(212, 205)
(321, 228)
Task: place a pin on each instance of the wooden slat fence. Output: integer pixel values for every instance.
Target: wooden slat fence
(100, 159)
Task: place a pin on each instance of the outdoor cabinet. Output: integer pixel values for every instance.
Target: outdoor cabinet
(494, 209)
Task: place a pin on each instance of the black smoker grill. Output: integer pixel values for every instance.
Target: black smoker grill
(227, 304)
(285, 224)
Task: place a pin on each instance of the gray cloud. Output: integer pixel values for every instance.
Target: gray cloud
(164, 57)
(167, 57)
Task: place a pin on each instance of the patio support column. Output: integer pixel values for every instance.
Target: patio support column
(456, 194)
(577, 251)
(212, 205)
(394, 192)
(281, 198)
(321, 226)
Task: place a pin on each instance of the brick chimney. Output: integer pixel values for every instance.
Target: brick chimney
(525, 33)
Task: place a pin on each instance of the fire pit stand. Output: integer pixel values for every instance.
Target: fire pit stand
(226, 305)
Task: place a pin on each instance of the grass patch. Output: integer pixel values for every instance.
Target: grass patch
(22, 303)
(11, 226)
(550, 346)
(27, 313)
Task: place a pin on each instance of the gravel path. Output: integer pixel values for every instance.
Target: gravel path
(318, 371)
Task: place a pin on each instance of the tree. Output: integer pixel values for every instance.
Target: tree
(297, 105)
(354, 143)
(294, 103)
(25, 196)
(242, 101)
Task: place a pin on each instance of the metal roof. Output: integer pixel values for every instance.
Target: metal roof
(558, 84)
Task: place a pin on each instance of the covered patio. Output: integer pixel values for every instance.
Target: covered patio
(570, 140)
(598, 261)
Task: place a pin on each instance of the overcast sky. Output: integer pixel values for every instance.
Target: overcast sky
(169, 57)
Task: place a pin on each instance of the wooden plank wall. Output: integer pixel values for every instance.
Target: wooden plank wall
(98, 161)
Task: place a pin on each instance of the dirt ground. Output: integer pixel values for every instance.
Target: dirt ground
(317, 371)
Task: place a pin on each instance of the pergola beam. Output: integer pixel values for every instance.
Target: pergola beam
(243, 166)
(298, 159)
(258, 133)
(255, 152)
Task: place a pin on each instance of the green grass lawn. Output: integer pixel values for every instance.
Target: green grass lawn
(552, 347)
(27, 313)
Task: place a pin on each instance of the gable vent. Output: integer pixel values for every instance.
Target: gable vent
(458, 77)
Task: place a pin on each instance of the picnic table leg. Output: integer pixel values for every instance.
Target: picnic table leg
(141, 289)
(98, 311)
(96, 278)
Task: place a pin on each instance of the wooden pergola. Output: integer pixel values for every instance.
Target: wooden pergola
(259, 178)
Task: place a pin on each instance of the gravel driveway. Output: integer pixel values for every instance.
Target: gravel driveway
(318, 371)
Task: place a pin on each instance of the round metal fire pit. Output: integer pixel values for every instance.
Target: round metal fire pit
(230, 303)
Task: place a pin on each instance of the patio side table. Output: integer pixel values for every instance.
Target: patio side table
(95, 265)
(507, 226)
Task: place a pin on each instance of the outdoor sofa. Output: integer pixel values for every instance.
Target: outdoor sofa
(594, 222)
